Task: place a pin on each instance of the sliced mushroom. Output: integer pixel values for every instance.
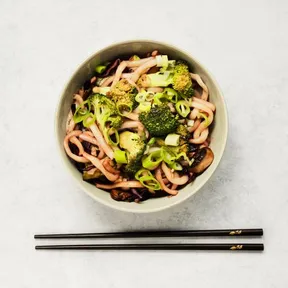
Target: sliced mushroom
(202, 159)
(120, 195)
(91, 174)
(193, 147)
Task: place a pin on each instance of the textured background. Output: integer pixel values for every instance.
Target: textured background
(243, 43)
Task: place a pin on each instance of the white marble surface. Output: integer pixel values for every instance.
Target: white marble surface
(243, 43)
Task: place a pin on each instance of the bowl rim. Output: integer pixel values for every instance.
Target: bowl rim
(165, 206)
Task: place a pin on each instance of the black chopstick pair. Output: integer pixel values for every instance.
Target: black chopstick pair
(144, 234)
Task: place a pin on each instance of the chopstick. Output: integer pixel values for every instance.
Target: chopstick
(215, 247)
(142, 234)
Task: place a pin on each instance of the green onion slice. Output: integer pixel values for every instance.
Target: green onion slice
(149, 96)
(185, 157)
(151, 141)
(89, 119)
(152, 160)
(183, 108)
(100, 69)
(176, 166)
(168, 156)
(158, 98)
(120, 156)
(110, 141)
(82, 111)
(144, 106)
(172, 140)
(141, 173)
(150, 182)
(172, 94)
(202, 115)
(141, 96)
(123, 108)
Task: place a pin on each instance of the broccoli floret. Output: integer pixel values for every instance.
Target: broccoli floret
(184, 134)
(134, 163)
(178, 77)
(115, 121)
(105, 112)
(181, 79)
(131, 142)
(102, 105)
(135, 146)
(182, 130)
(159, 121)
(123, 95)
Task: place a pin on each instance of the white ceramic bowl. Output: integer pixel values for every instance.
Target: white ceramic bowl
(218, 135)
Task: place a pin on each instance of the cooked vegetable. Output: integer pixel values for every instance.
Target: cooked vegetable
(182, 80)
(152, 160)
(91, 174)
(202, 159)
(150, 182)
(135, 148)
(176, 166)
(102, 90)
(113, 136)
(159, 121)
(131, 142)
(134, 163)
(120, 195)
(168, 155)
(162, 61)
(120, 156)
(82, 111)
(172, 140)
(156, 79)
(182, 130)
(159, 79)
(144, 106)
(160, 98)
(205, 118)
(182, 108)
(146, 178)
(89, 119)
(190, 123)
(106, 113)
(187, 148)
(141, 173)
(100, 69)
(179, 77)
(134, 58)
(151, 141)
(102, 105)
(141, 96)
(115, 121)
(173, 154)
(172, 94)
(123, 94)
